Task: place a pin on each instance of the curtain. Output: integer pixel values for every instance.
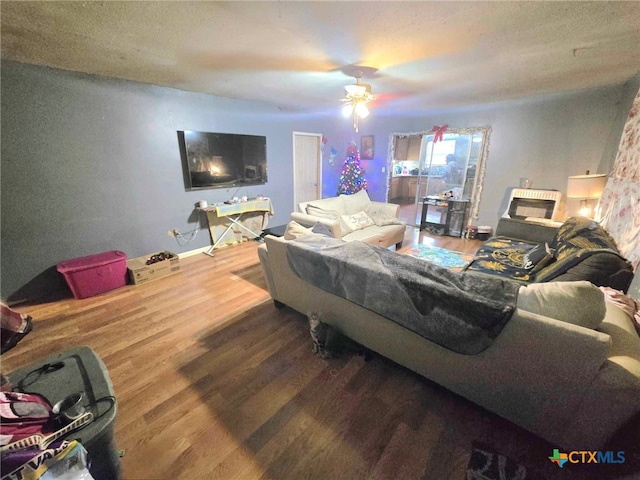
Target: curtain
(620, 202)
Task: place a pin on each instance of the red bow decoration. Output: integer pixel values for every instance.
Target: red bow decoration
(439, 132)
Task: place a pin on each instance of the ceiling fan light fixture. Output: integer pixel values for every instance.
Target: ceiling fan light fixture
(361, 109)
(356, 90)
(357, 97)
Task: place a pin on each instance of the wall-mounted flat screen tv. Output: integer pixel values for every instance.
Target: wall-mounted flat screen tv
(222, 160)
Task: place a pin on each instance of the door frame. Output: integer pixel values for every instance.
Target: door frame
(318, 165)
(481, 165)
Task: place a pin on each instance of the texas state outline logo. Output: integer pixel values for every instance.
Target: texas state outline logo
(559, 458)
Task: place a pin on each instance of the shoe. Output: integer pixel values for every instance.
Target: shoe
(15, 337)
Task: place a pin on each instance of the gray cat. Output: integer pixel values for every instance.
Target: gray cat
(328, 342)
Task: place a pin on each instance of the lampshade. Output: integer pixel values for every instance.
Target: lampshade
(347, 110)
(357, 90)
(361, 109)
(586, 186)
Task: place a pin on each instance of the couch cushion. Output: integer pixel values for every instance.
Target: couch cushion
(380, 215)
(585, 251)
(295, 230)
(389, 234)
(590, 234)
(620, 324)
(367, 235)
(580, 303)
(357, 221)
(357, 202)
(602, 268)
(503, 257)
(332, 215)
(381, 236)
(331, 203)
(322, 229)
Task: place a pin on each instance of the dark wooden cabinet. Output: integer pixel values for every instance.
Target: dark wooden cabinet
(444, 216)
(395, 190)
(407, 147)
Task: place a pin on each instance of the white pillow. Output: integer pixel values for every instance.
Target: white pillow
(332, 215)
(357, 221)
(295, 230)
(380, 216)
(355, 203)
(580, 303)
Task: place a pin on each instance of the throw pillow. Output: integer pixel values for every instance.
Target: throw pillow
(356, 202)
(538, 258)
(295, 230)
(602, 268)
(358, 221)
(380, 216)
(580, 303)
(322, 229)
(332, 215)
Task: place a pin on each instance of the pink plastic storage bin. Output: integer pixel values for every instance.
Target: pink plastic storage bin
(89, 276)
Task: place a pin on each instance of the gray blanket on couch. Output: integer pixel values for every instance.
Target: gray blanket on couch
(461, 311)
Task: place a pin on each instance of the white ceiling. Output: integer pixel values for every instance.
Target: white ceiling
(294, 55)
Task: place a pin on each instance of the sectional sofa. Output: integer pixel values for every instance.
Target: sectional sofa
(565, 366)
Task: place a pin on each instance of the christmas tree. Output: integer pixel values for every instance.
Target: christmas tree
(352, 178)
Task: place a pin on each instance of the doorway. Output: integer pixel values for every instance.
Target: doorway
(307, 167)
(451, 167)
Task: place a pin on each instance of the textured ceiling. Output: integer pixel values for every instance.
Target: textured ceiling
(294, 55)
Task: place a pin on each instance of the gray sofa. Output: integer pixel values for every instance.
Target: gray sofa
(570, 380)
(343, 216)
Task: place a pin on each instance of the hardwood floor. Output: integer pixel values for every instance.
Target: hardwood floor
(214, 382)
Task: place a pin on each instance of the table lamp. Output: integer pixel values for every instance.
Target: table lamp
(586, 188)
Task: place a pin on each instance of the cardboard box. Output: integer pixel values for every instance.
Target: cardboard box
(140, 272)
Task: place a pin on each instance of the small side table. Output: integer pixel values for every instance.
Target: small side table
(444, 216)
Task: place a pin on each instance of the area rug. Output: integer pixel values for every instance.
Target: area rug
(440, 256)
(487, 465)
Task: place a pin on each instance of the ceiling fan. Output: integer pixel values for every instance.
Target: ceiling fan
(356, 98)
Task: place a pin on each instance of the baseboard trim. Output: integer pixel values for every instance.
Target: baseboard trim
(191, 253)
(197, 251)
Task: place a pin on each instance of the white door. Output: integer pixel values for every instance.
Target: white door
(307, 163)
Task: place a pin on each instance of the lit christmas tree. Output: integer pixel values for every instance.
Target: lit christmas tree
(352, 178)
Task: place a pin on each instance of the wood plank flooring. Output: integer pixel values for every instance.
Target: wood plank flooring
(214, 382)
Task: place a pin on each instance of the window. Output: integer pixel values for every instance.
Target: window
(440, 152)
